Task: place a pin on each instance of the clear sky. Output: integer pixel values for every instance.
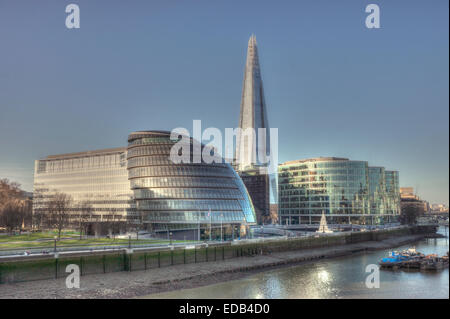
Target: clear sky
(333, 87)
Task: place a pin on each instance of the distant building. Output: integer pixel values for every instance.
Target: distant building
(408, 192)
(409, 198)
(439, 208)
(345, 191)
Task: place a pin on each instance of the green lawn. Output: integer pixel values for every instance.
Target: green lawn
(46, 240)
(35, 236)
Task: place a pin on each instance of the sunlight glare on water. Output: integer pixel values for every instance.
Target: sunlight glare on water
(335, 278)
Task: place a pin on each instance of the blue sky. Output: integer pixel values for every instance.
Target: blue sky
(333, 87)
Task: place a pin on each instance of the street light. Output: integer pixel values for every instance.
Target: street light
(129, 241)
(221, 227)
(170, 238)
(55, 243)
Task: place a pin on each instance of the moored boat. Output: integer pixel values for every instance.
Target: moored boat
(411, 259)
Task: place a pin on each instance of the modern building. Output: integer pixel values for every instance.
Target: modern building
(190, 198)
(345, 191)
(140, 186)
(253, 116)
(392, 191)
(257, 185)
(97, 180)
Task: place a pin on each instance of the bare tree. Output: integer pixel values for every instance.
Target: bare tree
(133, 225)
(11, 215)
(58, 209)
(15, 208)
(8, 190)
(85, 215)
(409, 214)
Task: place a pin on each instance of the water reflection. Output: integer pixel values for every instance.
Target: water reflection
(336, 278)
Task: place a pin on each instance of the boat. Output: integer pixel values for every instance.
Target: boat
(434, 262)
(411, 259)
(394, 260)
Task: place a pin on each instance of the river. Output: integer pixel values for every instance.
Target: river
(343, 277)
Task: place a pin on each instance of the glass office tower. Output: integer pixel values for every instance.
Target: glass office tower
(377, 187)
(392, 192)
(192, 198)
(97, 182)
(345, 191)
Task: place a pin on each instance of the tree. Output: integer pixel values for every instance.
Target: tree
(409, 214)
(8, 190)
(85, 214)
(58, 209)
(11, 215)
(15, 208)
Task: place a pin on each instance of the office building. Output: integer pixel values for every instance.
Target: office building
(345, 191)
(139, 186)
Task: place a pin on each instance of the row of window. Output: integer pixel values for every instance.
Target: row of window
(185, 170)
(152, 140)
(111, 160)
(203, 217)
(187, 181)
(149, 150)
(188, 205)
(187, 193)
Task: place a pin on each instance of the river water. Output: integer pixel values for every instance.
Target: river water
(343, 277)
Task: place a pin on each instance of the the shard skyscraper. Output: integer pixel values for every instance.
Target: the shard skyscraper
(250, 150)
(253, 113)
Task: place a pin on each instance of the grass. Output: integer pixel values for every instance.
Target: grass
(35, 236)
(46, 240)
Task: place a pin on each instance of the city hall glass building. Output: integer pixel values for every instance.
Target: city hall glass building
(345, 191)
(140, 185)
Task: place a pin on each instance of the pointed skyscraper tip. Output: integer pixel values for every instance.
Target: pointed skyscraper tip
(252, 40)
(253, 113)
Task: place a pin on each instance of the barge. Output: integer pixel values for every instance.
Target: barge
(411, 259)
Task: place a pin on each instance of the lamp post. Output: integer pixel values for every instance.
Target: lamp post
(210, 220)
(129, 241)
(221, 227)
(170, 234)
(55, 243)
(198, 228)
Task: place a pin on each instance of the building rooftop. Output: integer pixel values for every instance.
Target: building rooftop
(315, 159)
(86, 153)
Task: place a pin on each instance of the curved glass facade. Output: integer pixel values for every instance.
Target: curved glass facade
(186, 195)
(345, 191)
